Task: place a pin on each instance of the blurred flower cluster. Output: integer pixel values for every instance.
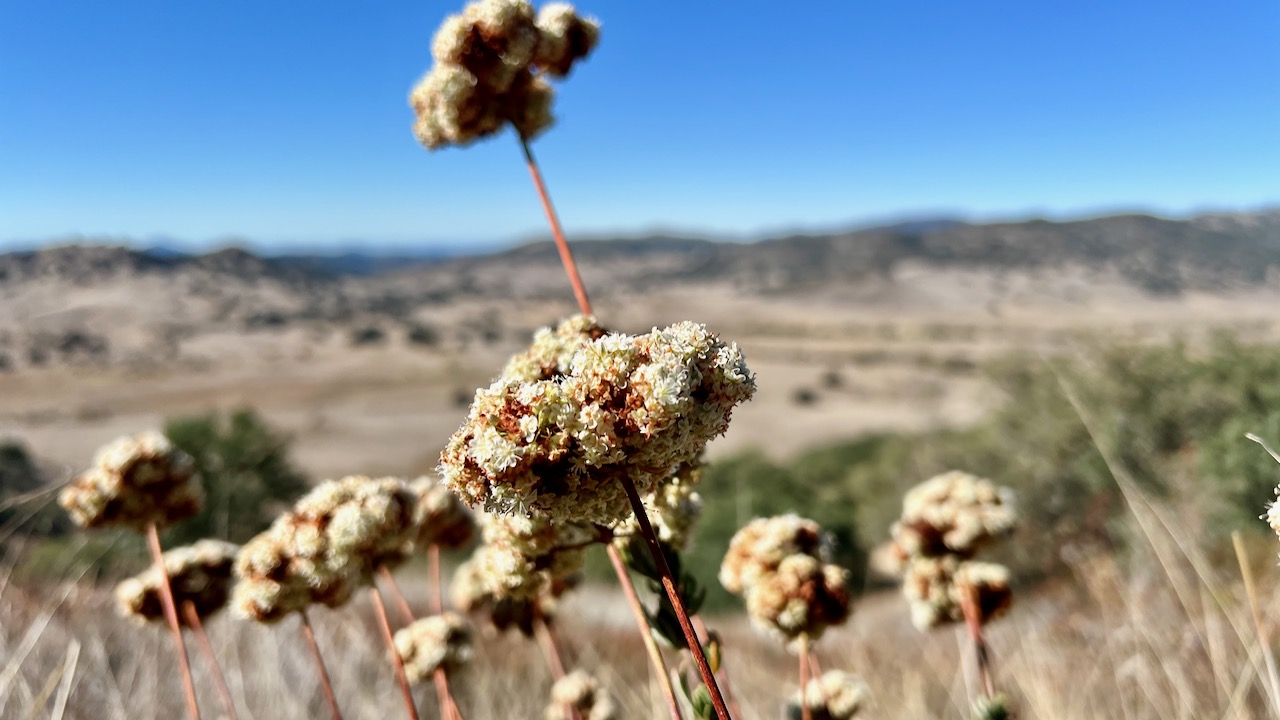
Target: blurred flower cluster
(135, 481)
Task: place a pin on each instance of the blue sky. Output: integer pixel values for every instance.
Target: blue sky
(285, 122)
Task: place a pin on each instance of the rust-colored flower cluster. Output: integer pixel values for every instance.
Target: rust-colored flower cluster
(433, 643)
(135, 481)
(491, 67)
(945, 521)
(326, 547)
(780, 564)
(626, 407)
(199, 574)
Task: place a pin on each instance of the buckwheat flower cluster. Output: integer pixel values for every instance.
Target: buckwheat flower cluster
(440, 517)
(135, 481)
(584, 693)
(437, 642)
(759, 547)
(954, 513)
(933, 587)
(489, 70)
(473, 592)
(673, 507)
(1272, 515)
(837, 695)
(522, 556)
(632, 407)
(325, 548)
(945, 521)
(792, 592)
(199, 574)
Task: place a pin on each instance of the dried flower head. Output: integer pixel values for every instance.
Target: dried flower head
(934, 585)
(629, 407)
(432, 643)
(954, 513)
(440, 517)
(801, 598)
(473, 592)
(584, 693)
(673, 507)
(522, 556)
(759, 547)
(566, 37)
(135, 481)
(199, 574)
(837, 695)
(485, 73)
(325, 547)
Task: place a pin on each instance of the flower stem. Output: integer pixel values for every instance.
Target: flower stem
(171, 615)
(551, 650)
(972, 619)
(448, 707)
(646, 633)
(380, 609)
(566, 256)
(673, 594)
(437, 588)
(309, 634)
(192, 617)
(705, 636)
(806, 713)
(401, 603)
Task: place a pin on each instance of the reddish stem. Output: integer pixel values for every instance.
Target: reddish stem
(973, 619)
(551, 650)
(171, 615)
(448, 707)
(219, 680)
(401, 603)
(806, 713)
(566, 256)
(677, 603)
(380, 609)
(646, 633)
(437, 588)
(705, 637)
(309, 634)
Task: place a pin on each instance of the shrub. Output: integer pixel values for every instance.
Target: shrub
(246, 470)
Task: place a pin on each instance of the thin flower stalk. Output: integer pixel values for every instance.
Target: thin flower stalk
(566, 255)
(973, 620)
(646, 633)
(806, 713)
(448, 706)
(309, 634)
(551, 651)
(704, 636)
(673, 594)
(171, 616)
(380, 609)
(192, 617)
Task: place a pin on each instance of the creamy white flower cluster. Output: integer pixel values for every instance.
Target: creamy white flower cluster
(791, 590)
(438, 642)
(632, 407)
(199, 574)
(326, 547)
(837, 695)
(582, 692)
(475, 591)
(490, 68)
(945, 521)
(135, 481)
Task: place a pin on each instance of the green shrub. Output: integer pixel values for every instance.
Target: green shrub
(248, 477)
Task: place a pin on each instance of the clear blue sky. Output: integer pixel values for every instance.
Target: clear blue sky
(285, 122)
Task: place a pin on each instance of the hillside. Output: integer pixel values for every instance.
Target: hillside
(101, 305)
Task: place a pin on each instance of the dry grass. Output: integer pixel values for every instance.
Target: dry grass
(1162, 634)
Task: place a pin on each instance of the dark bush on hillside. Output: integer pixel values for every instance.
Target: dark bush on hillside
(248, 477)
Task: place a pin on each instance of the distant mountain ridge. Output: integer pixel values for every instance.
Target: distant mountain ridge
(102, 304)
